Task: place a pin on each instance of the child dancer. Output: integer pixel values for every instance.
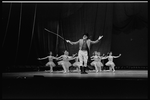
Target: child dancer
(51, 64)
(77, 63)
(110, 62)
(100, 64)
(97, 61)
(65, 61)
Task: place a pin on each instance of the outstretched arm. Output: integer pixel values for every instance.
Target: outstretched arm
(74, 55)
(93, 42)
(59, 58)
(55, 57)
(104, 56)
(72, 43)
(70, 57)
(117, 56)
(43, 58)
(74, 58)
(92, 57)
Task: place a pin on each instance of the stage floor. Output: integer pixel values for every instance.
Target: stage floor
(103, 74)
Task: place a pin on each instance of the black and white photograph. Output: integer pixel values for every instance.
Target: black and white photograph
(74, 50)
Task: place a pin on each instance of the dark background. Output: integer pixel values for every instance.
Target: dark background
(123, 25)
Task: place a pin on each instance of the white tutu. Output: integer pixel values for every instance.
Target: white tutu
(50, 63)
(98, 63)
(65, 63)
(110, 63)
(76, 64)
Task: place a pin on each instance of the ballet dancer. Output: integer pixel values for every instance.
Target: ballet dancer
(110, 62)
(100, 60)
(65, 61)
(97, 61)
(76, 63)
(50, 63)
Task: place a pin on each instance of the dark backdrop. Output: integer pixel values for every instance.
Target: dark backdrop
(124, 27)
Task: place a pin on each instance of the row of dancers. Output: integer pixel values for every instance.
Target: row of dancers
(65, 61)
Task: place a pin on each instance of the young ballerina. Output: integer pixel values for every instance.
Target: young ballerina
(51, 64)
(97, 61)
(110, 62)
(100, 64)
(65, 61)
(77, 63)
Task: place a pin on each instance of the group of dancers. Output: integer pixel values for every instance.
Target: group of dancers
(65, 61)
(81, 58)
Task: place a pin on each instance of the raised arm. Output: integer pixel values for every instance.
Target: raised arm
(72, 43)
(93, 42)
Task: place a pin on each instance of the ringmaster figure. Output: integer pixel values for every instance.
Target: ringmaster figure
(84, 46)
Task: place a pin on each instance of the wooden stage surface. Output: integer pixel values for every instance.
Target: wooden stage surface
(103, 74)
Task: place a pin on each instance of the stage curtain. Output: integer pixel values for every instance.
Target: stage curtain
(74, 20)
(68, 20)
(95, 19)
(129, 16)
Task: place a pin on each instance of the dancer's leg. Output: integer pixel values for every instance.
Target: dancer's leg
(51, 68)
(96, 69)
(113, 68)
(65, 70)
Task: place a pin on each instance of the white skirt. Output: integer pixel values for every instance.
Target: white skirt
(50, 63)
(65, 63)
(110, 63)
(76, 64)
(97, 63)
